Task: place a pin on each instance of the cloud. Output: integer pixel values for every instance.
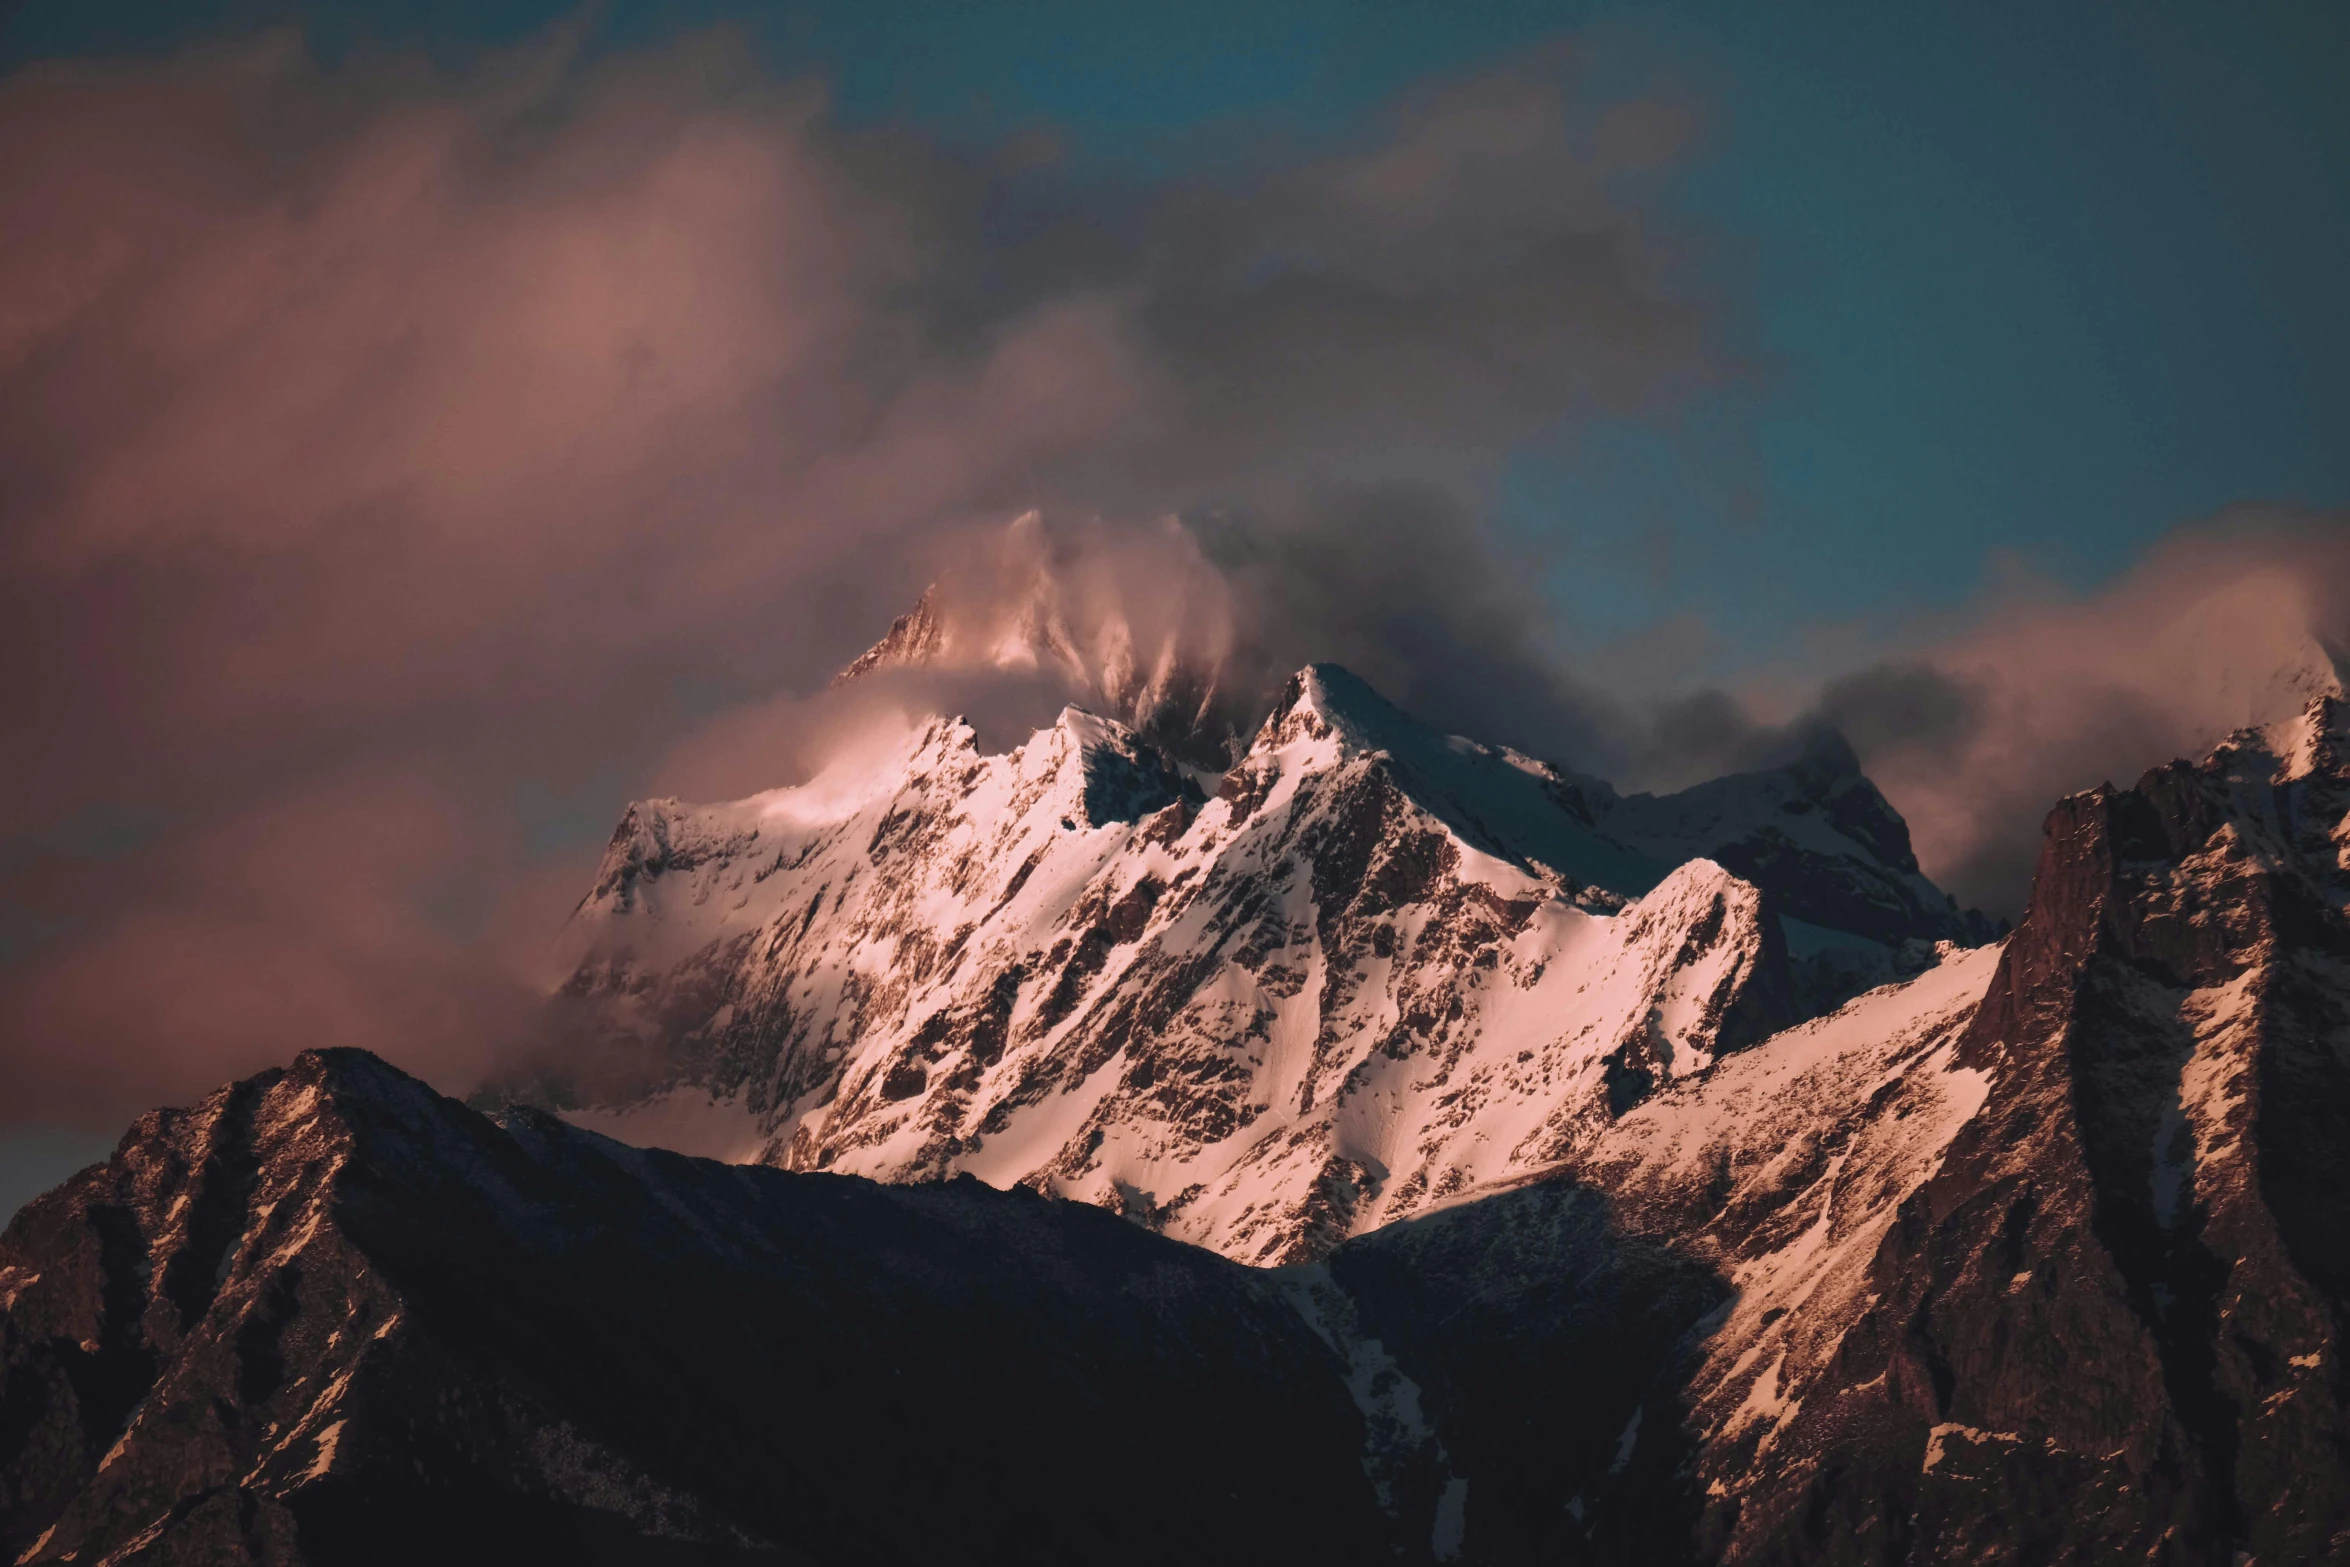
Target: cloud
(1974, 722)
(1974, 734)
(1402, 585)
(312, 916)
(390, 448)
(397, 458)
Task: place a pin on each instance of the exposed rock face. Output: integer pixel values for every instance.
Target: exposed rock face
(2124, 1286)
(328, 1316)
(1379, 968)
(917, 638)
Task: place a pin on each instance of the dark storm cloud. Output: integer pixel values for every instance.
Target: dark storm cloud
(387, 450)
(1401, 584)
(1907, 706)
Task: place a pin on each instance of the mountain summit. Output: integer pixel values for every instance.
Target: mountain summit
(1376, 968)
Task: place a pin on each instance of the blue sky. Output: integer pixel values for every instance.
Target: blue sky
(2040, 280)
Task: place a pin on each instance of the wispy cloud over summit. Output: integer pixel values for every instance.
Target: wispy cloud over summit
(386, 443)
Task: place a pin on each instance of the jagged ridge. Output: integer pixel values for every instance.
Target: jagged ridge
(1380, 967)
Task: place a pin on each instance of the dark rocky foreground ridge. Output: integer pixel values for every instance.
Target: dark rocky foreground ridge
(2040, 1256)
(330, 1316)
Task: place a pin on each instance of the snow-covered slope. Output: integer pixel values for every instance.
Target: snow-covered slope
(1606, 1350)
(1784, 1168)
(1378, 968)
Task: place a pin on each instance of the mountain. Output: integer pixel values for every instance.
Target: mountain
(331, 1316)
(2039, 1254)
(1814, 833)
(328, 1316)
(2125, 1282)
(1379, 967)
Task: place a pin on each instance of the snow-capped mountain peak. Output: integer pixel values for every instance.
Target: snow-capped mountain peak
(1512, 806)
(1377, 967)
(2316, 739)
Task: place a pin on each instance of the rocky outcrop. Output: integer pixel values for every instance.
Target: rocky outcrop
(331, 1317)
(2124, 1286)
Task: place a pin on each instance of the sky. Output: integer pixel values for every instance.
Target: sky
(434, 425)
(2040, 281)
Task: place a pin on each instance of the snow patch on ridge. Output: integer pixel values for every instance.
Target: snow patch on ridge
(1395, 1429)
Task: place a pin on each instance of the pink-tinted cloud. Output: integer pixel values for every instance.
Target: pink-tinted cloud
(297, 921)
(383, 444)
(387, 451)
(1973, 735)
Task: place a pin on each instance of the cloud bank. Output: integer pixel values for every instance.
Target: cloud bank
(405, 466)
(1974, 733)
